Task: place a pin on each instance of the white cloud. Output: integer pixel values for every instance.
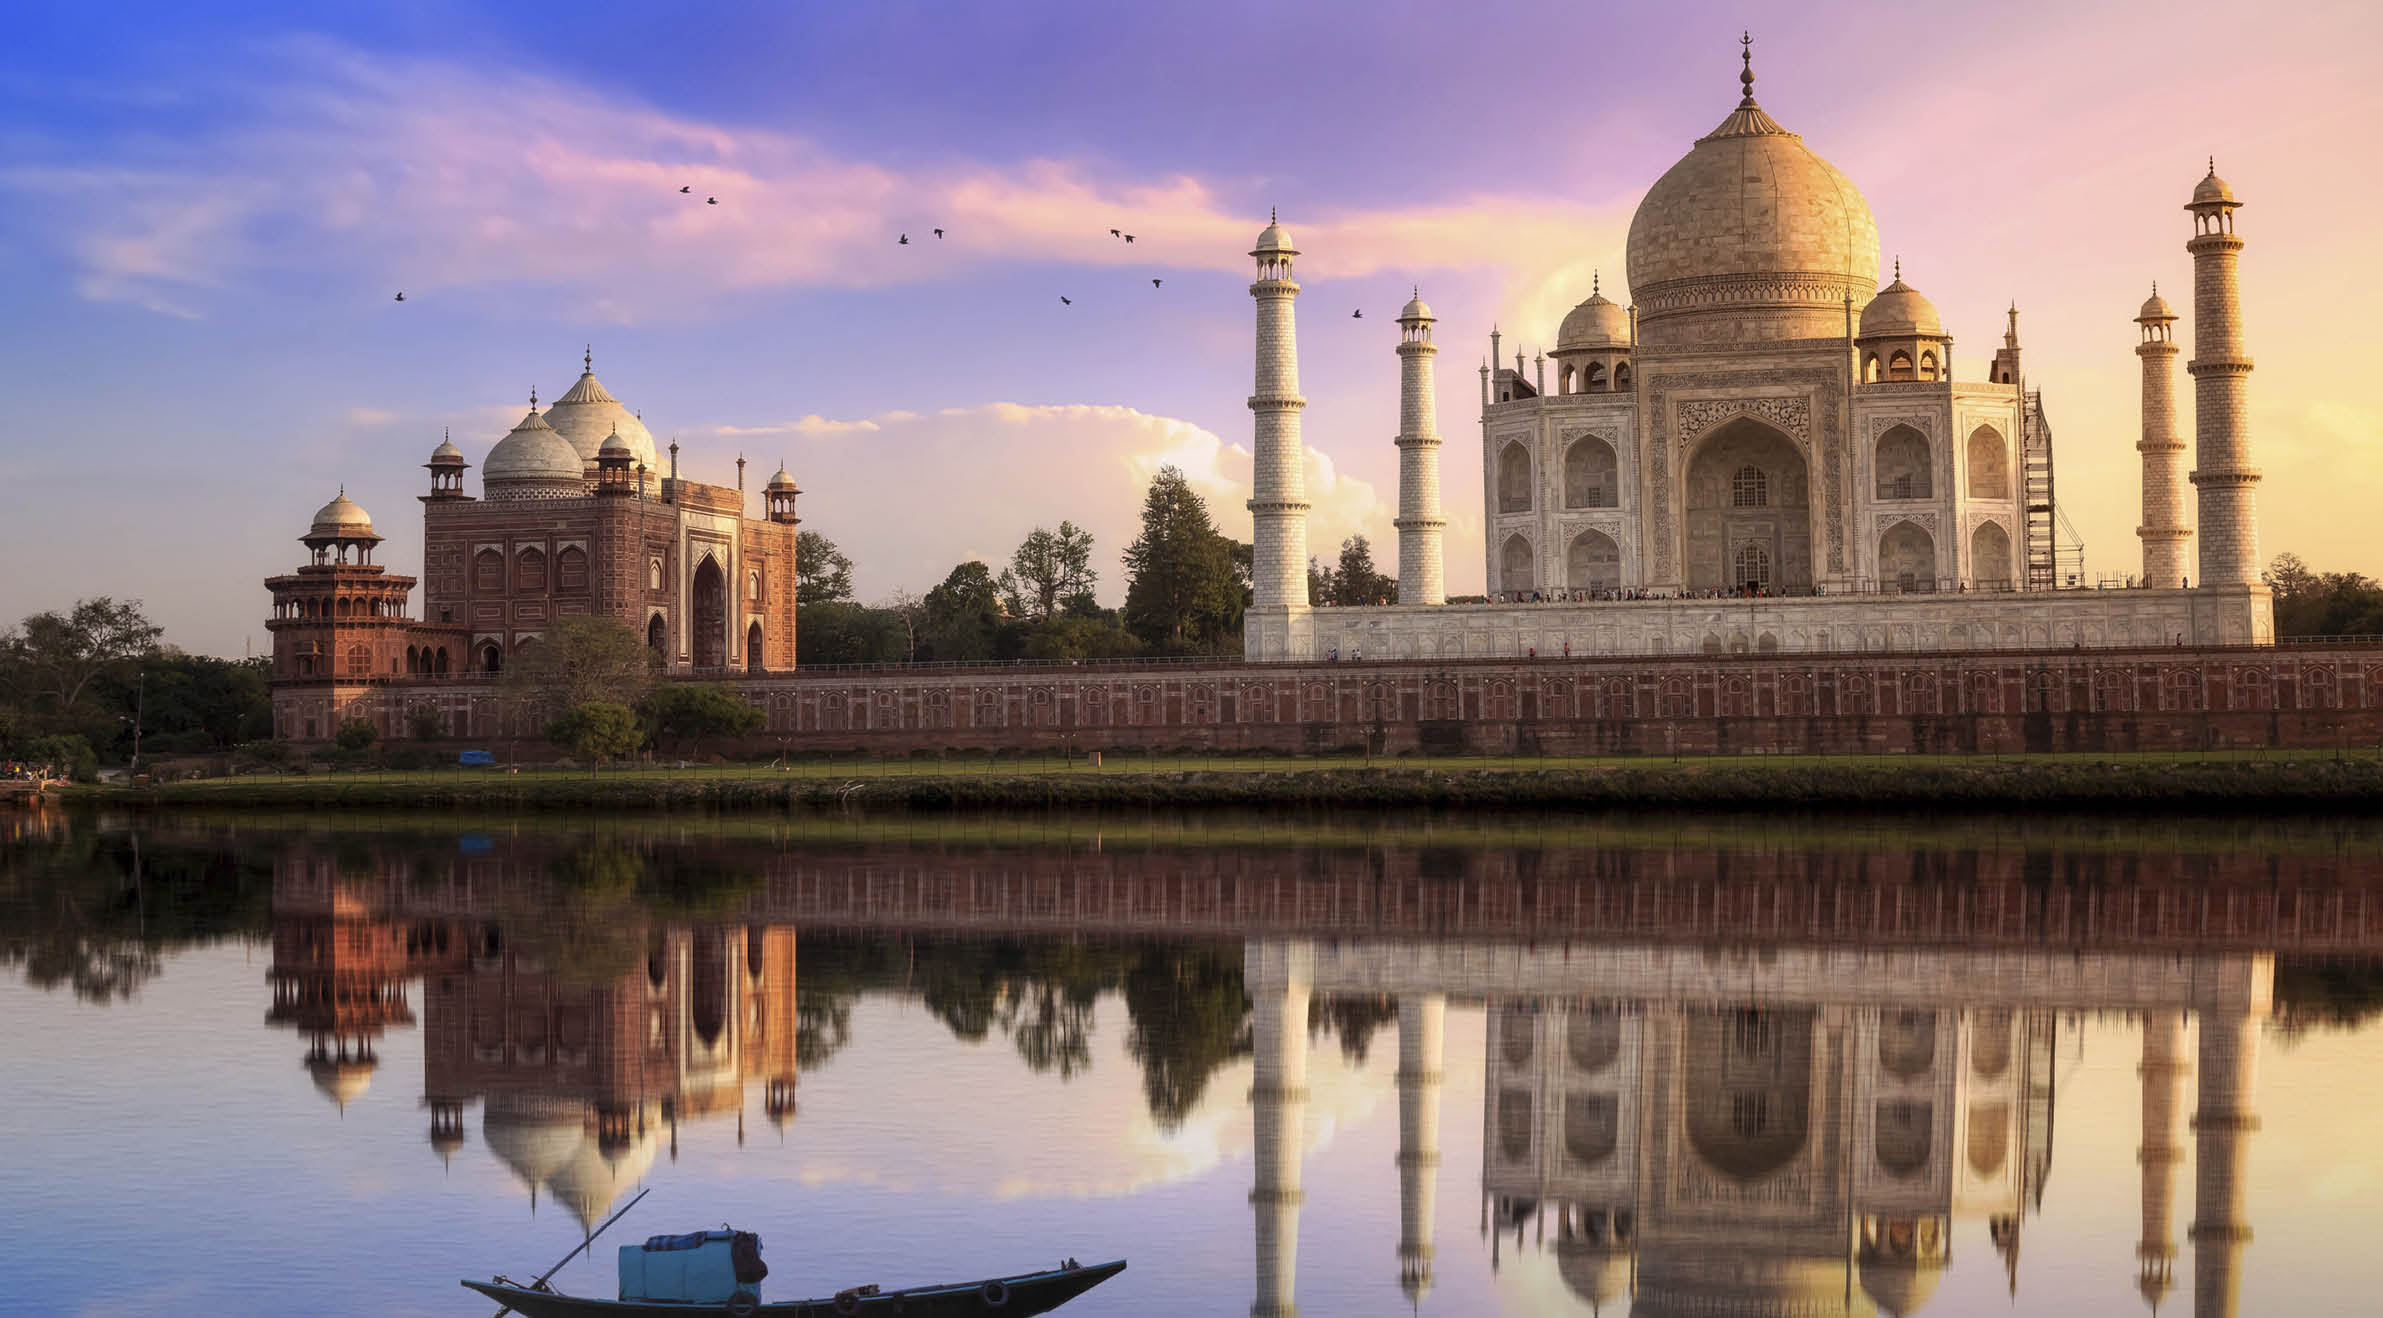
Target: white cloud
(908, 495)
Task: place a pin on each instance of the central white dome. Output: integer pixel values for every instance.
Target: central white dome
(1751, 236)
(587, 415)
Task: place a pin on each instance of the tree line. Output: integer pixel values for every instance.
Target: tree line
(98, 681)
(1186, 586)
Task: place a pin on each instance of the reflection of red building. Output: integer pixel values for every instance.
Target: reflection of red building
(582, 1079)
(583, 1082)
(339, 975)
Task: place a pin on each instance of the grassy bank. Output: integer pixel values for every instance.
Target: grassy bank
(2216, 782)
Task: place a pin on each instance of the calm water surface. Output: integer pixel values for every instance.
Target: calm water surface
(1502, 1065)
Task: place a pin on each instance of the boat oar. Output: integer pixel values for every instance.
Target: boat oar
(540, 1283)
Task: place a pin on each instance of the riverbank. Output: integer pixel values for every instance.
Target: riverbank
(2311, 782)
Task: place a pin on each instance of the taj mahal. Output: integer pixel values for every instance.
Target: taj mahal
(1766, 451)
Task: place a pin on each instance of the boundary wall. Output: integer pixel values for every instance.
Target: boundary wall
(1997, 701)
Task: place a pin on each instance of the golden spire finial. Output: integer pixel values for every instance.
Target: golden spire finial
(587, 360)
(1746, 74)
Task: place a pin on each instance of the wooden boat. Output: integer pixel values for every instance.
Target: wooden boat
(1026, 1293)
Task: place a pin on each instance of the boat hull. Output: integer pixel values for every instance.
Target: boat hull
(1027, 1293)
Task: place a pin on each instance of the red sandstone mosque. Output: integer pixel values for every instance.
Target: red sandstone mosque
(575, 516)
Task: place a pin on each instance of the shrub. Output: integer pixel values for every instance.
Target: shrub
(67, 754)
(597, 731)
(355, 735)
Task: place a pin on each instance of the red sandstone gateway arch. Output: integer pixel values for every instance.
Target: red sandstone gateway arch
(710, 610)
(1748, 510)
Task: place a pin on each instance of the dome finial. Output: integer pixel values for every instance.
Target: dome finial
(587, 360)
(533, 398)
(1746, 74)
(1898, 269)
(1274, 217)
(1596, 283)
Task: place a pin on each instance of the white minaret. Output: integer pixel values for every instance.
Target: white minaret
(1420, 1018)
(2164, 531)
(2163, 1073)
(2222, 469)
(1277, 979)
(2222, 1129)
(1419, 522)
(1278, 487)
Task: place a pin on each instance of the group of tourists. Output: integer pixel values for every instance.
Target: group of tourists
(1634, 594)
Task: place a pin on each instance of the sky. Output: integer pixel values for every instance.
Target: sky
(206, 212)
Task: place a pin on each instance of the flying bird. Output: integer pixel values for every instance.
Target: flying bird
(1064, 302)
(401, 297)
(905, 242)
(939, 233)
(1154, 283)
(1129, 237)
(711, 201)
(1114, 234)
(1357, 315)
(685, 189)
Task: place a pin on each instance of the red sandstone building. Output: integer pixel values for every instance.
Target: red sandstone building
(576, 516)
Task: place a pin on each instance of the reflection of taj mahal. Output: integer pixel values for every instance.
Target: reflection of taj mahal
(1763, 422)
(1712, 1134)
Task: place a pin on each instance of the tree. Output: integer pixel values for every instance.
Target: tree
(689, 712)
(56, 655)
(822, 575)
(355, 736)
(1356, 581)
(184, 702)
(66, 754)
(843, 632)
(2309, 603)
(1183, 587)
(1051, 571)
(963, 614)
(910, 611)
(581, 660)
(598, 731)
(425, 723)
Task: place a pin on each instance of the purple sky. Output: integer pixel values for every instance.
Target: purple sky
(203, 216)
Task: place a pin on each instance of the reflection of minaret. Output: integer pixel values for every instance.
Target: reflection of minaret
(1278, 1103)
(2163, 1072)
(1419, 1020)
(2221, 1149)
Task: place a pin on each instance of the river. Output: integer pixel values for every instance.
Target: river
(1490, 1064)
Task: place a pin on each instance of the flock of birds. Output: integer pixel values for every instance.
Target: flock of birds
(904, 241)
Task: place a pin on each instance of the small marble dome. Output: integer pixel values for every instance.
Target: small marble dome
(340, 519)
(343, 1082)
(1415, 309)
(1598, 322)
(447, 454)
(587, 415)
(781, 481)
(532, 461)
(2212, 191)
(1901, 311)
(2156, 307)
(1900, 1286)
(1274, 238)
(617, 449)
